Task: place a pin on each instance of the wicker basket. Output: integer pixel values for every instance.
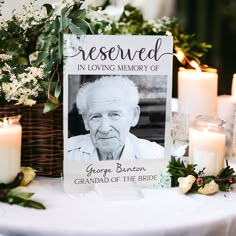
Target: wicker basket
(42, 137)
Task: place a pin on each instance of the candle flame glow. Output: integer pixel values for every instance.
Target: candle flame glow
(183, 59)
(195, 65)
(180, 56)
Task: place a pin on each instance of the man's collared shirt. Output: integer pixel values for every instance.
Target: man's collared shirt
(81, 148)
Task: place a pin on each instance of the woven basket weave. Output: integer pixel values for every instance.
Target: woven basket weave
(42, 137)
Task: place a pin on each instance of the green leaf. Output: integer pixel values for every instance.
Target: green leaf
(56, 25)
(17, 192)
(64, 11)
(47, 42)
(49, 106)
(64, 22)
(21, 197)
(49, 8)
(56, 57)
(60, 48)
(63, 19)
(177, 169)
(40, 57)
(90, 27)
(207, 180)
(25, 202)
(32, 204)
(49, 26)
(77, 14)
(57, 91)
(78, 30)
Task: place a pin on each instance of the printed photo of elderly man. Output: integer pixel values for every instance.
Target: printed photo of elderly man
(109, 108)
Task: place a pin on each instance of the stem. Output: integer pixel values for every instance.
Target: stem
(185, 170)
(3, 194)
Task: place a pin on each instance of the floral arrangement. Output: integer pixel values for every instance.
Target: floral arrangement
(189, 181)
(31, 52)
(31, 45)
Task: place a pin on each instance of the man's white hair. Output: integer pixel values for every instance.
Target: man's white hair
(128, 86)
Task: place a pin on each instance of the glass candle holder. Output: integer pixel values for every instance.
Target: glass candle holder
(207, 144)
(180, 126)
(10, 148)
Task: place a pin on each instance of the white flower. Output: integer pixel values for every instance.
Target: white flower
(60, 5)
(100, 31)
(209, 188)
(107, 28)
(31, 16)
(6, 68)
(5, 57)
(27, 102)
(88, 3)
(33, 56)
(185, 183)
(3, 25)
(23, 87)
(100, 15)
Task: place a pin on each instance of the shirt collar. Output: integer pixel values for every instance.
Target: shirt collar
(84, 143)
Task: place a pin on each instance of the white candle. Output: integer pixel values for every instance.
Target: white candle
(226, 110)
(10, 150)
(197, 91)
(233, 88)
(206, 149)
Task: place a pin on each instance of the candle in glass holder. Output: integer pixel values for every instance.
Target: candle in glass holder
(10, 148)
(197, 91)
(207, 144)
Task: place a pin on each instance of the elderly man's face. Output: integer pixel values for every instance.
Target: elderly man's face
(109, 118)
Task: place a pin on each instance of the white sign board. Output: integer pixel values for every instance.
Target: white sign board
(117, 97)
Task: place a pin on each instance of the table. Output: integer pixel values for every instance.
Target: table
(159, 212)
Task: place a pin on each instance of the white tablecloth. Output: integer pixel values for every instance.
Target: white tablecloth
(160, 212)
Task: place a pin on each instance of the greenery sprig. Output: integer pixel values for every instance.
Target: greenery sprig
(178, 169)
(14, 193)
(131, 21)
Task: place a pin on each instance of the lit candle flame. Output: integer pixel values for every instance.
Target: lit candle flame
(180, 56)
(195, 65)
(183, 59)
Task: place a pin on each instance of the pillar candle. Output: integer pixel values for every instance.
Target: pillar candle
(233, 87)
(197, 91)
(226, 110)
(207, 149)
(10, 149)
